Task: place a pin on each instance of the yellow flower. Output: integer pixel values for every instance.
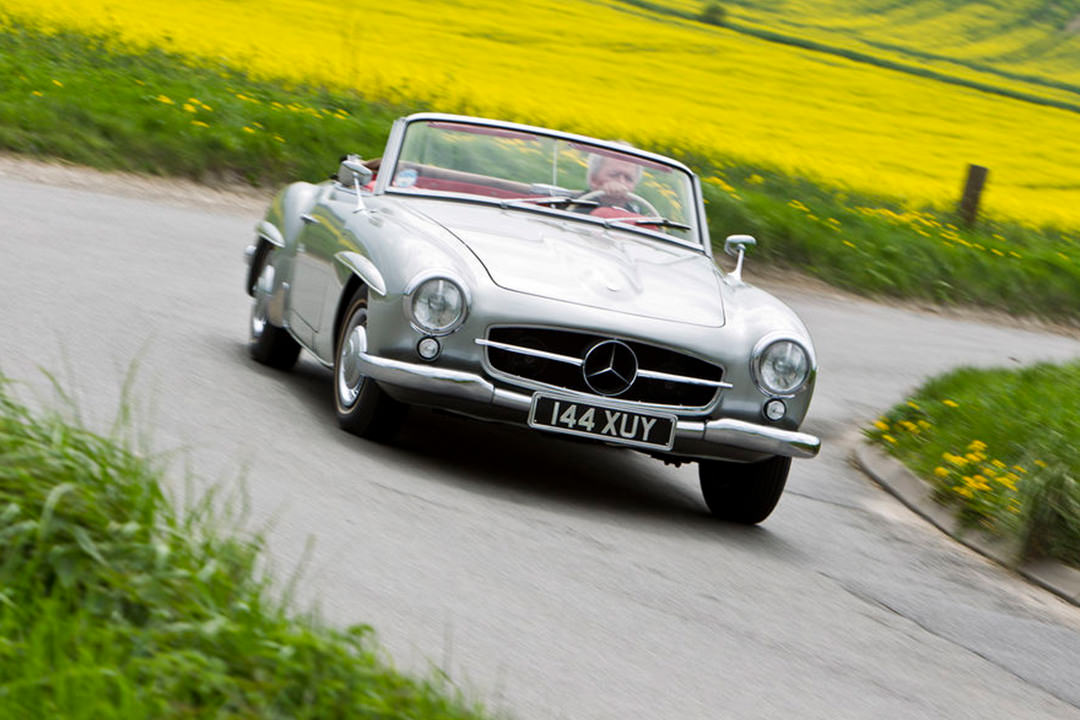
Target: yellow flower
(1040, 463)
(849, 244)
(889, 438)
(910, 426)
(998, 464)
(964, 491)
(912, 405)
(950, 403)
(941, 472)
(199, 123)
(57, 83)
(165, 99)
(248, 130)
(925, 424)
(188, 107)
(881, 425)
(1019, 469)
(38, 93)
(279, 138)
(755, 179)
(977, 445)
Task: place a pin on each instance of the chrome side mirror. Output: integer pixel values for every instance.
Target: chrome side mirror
(737, 245)
(353, 172)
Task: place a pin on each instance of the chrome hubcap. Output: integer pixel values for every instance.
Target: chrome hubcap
(350, 378)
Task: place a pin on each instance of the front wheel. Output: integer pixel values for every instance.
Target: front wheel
(269, 344)
(743, 492)
(363, 408)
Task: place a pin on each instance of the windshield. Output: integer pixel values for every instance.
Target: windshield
(523, 169)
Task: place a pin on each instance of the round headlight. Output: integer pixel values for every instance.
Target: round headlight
(782, 368)
(437, 305)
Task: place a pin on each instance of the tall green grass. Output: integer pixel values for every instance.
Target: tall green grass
(1000, 447)
(69, 96)
(115, 604)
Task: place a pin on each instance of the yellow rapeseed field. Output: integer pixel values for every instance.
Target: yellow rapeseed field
(613, 70)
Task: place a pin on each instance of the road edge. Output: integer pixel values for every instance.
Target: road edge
(912, 491)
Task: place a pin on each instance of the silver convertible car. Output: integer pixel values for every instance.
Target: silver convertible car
(540, 278)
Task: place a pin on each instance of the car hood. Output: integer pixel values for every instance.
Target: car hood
(576, 262)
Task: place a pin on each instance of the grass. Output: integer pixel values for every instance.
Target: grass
(113, 604)
(999, 446)
(159, 113)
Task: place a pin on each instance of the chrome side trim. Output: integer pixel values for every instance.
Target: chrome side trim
(469, 386)
(530, 351)
(364, 269)
(268, 232)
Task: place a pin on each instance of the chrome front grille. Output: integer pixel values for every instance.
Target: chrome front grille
(556, 358)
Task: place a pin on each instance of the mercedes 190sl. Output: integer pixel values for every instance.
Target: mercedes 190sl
(540, 278)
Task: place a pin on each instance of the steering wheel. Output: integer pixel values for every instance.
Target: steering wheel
(593, 194)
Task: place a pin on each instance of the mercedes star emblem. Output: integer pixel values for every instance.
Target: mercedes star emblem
(610, 367)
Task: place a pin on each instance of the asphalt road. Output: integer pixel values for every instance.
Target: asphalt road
(549, 579)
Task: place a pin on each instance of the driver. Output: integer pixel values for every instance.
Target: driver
(612, 182)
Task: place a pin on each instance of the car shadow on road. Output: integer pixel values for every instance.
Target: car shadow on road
(525, 467)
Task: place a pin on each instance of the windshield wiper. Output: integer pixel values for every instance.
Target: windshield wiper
(647, 220)
(548, 201)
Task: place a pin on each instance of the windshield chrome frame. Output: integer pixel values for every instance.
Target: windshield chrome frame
(396, 141)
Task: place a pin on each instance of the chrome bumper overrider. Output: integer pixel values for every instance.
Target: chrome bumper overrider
(474, 388)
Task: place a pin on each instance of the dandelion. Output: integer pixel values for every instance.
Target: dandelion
(1040, 463)
(199, 123)
(942, 471)
(755, 179)
(1020, 469)
(889, 439)
(38, 93)
(279, 138)
(849, 244)
(57, 83)
(950, 403)
(911, 404)
(188, 107)
(881, 425)
(963, 491)
(165, 99)
(247, 129)
(925, 424)
(977, 446)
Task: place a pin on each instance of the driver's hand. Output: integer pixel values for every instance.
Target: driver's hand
(616, 189)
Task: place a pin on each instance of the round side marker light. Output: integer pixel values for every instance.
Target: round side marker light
(428, 348)
(775, 409)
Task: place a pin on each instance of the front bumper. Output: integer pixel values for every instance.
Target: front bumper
(472, 388)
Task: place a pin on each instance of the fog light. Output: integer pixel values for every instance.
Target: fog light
(775, 409)
(428, 348)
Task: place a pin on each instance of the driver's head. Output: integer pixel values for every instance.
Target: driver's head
(613, 176)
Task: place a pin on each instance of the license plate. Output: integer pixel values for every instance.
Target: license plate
(616, 425)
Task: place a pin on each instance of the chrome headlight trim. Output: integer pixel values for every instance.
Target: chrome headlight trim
(758, 355)
(417, 283)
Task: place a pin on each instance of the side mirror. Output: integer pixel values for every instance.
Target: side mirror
(734, 244)
(737, 245)
(353, 172)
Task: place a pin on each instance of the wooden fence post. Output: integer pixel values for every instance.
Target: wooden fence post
(969, 202)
